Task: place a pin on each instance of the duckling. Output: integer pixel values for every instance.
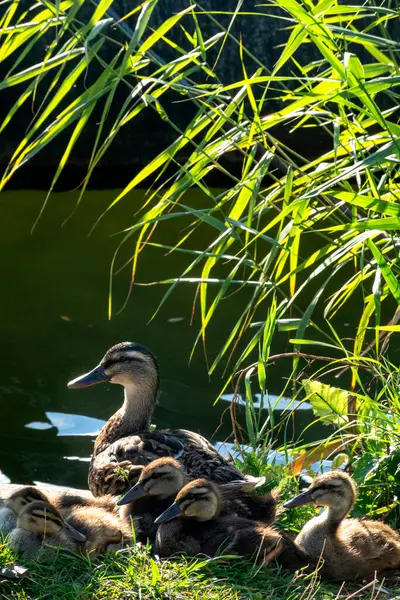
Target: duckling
(64, 502)
(126, 440)
(157, 487)
(103, 530)
(350, 548)
(15, 503)
(195, 524)
(97, 518)
(161, 480)
(40, 523)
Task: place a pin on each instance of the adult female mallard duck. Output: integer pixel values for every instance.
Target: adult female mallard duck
(162, 479)
(126, 441)
(199, 522)
(39, 523)
(350, 548)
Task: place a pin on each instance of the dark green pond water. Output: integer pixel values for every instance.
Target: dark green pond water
(53, 305)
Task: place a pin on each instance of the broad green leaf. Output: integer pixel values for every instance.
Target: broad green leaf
(330, 404)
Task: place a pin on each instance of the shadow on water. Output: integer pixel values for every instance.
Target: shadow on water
(55, 327)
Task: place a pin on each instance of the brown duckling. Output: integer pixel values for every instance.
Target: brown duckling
(103, 530)
(161, 480)
(40, 523)
(126, 439)
(96, 518)
(64, 502)
(196, 524)
(15, 503)
(350, 548)
(157, 487)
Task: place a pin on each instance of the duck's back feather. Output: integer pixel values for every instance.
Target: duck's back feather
(198, 457)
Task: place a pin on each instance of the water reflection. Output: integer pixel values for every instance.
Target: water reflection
(55, 292)
(4, 478)
(270, 402)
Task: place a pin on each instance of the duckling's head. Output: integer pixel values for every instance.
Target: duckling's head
(103, 530)
(23, 497)
(163, 477)
(200, 500)
(44, 519)
(335, 489)
(126, 363)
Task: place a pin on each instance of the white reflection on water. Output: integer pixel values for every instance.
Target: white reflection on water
(274, 402)
(67, 424)
(4, 478)
(78, 458)
(39, 425)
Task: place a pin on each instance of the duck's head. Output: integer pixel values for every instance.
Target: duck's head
(163, 477)
(126, 363)
(26, 495)
(44, 519)
(335, 489)
(200, 500)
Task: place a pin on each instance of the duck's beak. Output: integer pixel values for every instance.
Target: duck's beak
(171, 513)
(300, 500)
(96, 375)
(74, 533)
(137, 491)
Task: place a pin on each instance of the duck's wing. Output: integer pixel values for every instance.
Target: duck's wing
(201, 459)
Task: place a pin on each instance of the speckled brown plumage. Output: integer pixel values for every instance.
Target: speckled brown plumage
(126, 440)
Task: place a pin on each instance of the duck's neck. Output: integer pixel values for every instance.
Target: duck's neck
(333, 515)
(138, 406)
(133, 417)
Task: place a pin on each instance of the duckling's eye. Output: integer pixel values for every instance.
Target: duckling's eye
(192, 496)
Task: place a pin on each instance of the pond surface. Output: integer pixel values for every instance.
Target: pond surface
(55, 285)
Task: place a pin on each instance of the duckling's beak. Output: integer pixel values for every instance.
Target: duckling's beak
(300, 500)
(96, 375)
(137, 491)
(74, 533)
(171, 513)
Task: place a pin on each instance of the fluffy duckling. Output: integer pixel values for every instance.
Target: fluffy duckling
(97, 518)
(64, 502)
(39, 523)
(103, 530)
(15, 503)
(154, 492)
(195, 524)
(350, 548)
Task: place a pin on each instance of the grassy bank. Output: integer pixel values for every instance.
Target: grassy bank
(135, 574)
